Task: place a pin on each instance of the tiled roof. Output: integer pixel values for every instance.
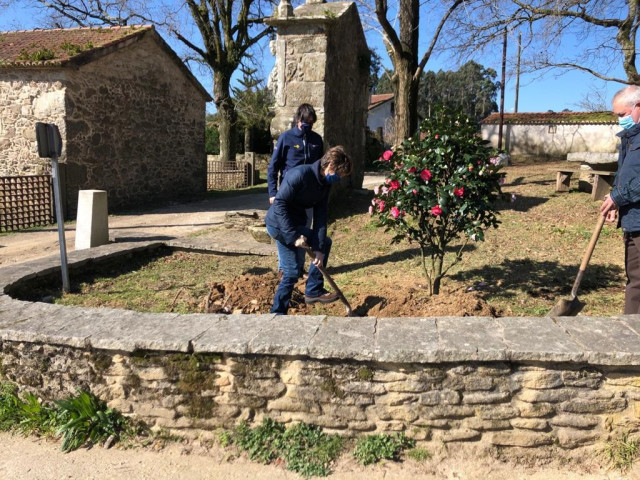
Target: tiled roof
(379, 99)
(58, 47)
(584, 118)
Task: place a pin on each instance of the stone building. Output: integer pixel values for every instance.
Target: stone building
(553, 134)
(322, 58)
(131, 115)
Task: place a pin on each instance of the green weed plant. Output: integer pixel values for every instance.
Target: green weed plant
(305, 448)
(373, 448)
(80, 419)
(622, 451)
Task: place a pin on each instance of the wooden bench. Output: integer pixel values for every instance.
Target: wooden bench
(602, 181)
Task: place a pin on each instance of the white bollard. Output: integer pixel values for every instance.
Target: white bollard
(92, 226)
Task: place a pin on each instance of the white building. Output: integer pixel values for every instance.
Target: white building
(380, 115)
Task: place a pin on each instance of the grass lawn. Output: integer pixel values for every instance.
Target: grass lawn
(522, 268)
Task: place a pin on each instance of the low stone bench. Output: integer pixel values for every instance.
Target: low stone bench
(602, 181)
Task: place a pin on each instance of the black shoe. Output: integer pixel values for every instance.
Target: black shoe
(326, 297)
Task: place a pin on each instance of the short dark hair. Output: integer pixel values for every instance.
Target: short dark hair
(305, 114)
(338, 159)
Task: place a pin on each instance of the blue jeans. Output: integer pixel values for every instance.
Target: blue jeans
(292, 264)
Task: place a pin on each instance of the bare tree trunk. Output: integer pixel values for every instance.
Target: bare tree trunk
(248, 139)
(227, 116)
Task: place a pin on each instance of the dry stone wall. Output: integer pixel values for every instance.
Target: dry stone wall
(495, 403)
(27, 97)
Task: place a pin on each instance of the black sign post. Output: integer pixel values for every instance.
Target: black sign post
(50, 146)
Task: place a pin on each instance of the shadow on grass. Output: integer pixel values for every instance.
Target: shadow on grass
(50, 285)
(546, 280)
(521, 204)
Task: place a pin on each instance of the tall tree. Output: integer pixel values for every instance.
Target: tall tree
(253, 102)
(228, 30)
(597, 37)
(403, 49)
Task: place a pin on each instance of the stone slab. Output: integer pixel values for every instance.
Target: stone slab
(344, 337)
(232, 334)
(605, 341)
(131, 331)
(42, 323)
(470, 339)
(406, 340)
(592, 157)
(286, 335)
(538, 339)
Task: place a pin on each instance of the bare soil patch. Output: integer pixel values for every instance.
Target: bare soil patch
(254, 294)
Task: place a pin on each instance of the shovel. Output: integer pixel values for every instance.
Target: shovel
(302, 244)
(571, 307)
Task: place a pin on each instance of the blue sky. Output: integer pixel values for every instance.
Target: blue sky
(553, 90)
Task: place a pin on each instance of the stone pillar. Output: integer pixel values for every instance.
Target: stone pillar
(322, 58)
(92, 224)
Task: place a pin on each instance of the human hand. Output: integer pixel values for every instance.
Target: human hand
(609, 209)
(301, 242)
(271, 199)
(318, 258)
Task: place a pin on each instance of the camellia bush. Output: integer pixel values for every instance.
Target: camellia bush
(443, 186)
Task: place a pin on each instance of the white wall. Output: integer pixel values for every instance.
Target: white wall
(378, 116)
(537, 140)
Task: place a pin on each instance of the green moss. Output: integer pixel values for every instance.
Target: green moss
(330, 386)
(39, 55)
(74, 49)
(102, 362)
(365, 374)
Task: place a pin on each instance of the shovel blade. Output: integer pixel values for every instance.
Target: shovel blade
(567, 308)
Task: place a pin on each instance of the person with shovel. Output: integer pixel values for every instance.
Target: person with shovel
(624, 200)
(305, 187)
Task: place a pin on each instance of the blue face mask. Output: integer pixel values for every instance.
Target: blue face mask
(626, 122)
(306, 127)
(331, 178)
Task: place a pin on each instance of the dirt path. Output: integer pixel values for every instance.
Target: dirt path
(164, 223)
(36, 459)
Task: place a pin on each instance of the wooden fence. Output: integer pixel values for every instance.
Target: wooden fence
(228, 175)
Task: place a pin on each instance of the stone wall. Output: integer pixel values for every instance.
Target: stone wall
(562, 382)
(27, 97)
(135, 127)
(522, 140)
(495, 403)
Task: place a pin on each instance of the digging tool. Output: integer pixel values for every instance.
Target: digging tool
(572, 306)
(303, 244)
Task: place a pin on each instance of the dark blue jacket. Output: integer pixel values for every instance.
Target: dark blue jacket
(292, 149)
(626, 184)
(302, 188)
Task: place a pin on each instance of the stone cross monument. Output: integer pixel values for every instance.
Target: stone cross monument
(322, 58)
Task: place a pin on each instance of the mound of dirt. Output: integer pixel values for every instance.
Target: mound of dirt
(254, 294)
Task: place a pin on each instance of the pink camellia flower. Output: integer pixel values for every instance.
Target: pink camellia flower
(395, 212)
(436, 136)
(437, 211)
(494, 160)
(394, 185)
(412, 170)
(387, 155)
(458, 191)
(381, 206)
(376, 189)
(415, 192)
(370, 210)
(385, 190)
(425, 175)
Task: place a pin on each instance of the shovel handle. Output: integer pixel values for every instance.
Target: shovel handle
(587, 255)
(328, 278)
